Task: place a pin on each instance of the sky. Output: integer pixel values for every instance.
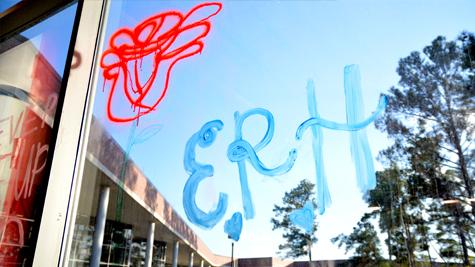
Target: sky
(260, 54)
(48, 37)
(6, 4)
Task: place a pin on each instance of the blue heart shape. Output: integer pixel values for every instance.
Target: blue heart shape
(304, 217)
(233, 226)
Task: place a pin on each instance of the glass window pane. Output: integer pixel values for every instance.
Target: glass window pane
(31, 68)
(347, 125)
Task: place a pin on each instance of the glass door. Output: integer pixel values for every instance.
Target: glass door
(32, 66)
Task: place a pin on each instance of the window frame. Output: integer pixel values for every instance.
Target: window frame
(57, 224)
(64, 158)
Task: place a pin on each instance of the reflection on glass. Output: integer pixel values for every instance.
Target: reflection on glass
(414, 207)
(6, 4)
(29, 88)
(125, 239)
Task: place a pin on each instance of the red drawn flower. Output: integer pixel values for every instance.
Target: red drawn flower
(163, 39)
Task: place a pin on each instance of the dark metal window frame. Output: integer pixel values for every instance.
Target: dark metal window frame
(20, 17)
(25, 14)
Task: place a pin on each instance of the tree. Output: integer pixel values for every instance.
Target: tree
(389, 195)
(297, 241)
(402, 214)
(364, 241)
(430, 117)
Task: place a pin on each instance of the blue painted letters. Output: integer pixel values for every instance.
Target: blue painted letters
(204, 138)
(240, 150)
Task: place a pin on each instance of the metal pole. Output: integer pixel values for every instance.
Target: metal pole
(176, 248)
(190, 262)
(164, 251)
(310, 262)
(150, 239)
(232, 254)
(101, 216)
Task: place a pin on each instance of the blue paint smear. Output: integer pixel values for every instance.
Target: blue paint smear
(349, 127)
(146, 133)
(233, 226)
(240, 150)
(204, 138)
(303, 217)
(323, 193)
(132, 140)
(356, 123)
(360, 150)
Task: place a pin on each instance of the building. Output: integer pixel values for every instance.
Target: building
(148, 231)
(143, 215)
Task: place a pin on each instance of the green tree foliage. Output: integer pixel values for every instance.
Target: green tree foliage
(297, 241)
(430, 169)
(425, 193)
(401, 215)
(364, 242)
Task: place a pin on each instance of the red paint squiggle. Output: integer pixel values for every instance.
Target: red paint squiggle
(159, 37)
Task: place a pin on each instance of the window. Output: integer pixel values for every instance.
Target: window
(207, 113)
(32, 64)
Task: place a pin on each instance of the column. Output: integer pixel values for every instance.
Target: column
(101, 216)
(150, 239)
(202, 263)
(190, 262)
(176, 248)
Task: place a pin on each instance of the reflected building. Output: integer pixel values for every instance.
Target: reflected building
(29, 89)
(133, 204)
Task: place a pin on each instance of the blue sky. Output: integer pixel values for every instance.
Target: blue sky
(48, 36)
(6, 4)
(261, 54)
